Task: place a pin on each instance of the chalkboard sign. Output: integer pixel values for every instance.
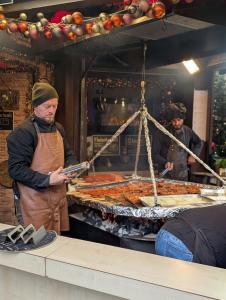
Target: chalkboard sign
(6, 120)
(131, 145)
(100, 140)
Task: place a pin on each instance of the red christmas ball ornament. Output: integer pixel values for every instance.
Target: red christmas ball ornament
(127, 2)
(189, 1)
(88, 28)
(116, 20)
(48, 34)
(61, 26)
(77, 18)
(108, 24)
(71, 36)
(22, 27)
(34, 34)
(158, 10)
(128, 19)
(3, 24)
(13, 26)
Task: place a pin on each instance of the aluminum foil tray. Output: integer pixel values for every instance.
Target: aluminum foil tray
(152, 213)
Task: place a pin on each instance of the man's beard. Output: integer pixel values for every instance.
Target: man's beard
(50, 120)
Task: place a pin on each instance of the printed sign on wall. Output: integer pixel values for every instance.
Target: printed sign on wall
(131, 145)
(9, 100)
(6, 120)
(100, 140)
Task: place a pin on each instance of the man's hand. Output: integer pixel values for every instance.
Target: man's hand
(169, 166)
(57, 177)
(191, 160)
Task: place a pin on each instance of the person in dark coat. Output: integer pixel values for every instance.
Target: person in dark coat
(167, 153)
(197, 235)
(38, 151)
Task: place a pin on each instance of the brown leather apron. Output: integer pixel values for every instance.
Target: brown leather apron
(48, 208)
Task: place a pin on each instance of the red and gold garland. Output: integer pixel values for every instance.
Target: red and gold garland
(74, 25)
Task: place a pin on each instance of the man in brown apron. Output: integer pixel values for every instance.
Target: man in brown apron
(167, 153)
(38, 150)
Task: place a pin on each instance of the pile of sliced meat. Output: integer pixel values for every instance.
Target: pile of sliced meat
(133, 191)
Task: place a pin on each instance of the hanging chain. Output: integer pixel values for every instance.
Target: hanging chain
(138, 146)
(165, 131)
(148, 145)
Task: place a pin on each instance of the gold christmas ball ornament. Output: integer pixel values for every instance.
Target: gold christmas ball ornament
(174, 1)
(32, 26)
(27, 34)
(103, 17)
(44, 21)
(96, 28)
(1, 8)
(3, 24)
(40, 15)
(63, 19)
(23, 17)
(68, 19)
(39, 27)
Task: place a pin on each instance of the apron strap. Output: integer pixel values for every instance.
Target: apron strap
(36, 127)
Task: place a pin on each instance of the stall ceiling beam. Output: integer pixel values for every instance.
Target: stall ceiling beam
(39, 4)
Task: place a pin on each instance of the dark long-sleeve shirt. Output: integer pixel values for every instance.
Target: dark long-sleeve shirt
(203, 231)
(21, 144)
(161, 144)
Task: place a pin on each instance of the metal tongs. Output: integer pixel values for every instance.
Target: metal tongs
(82, 166)
(163, 173)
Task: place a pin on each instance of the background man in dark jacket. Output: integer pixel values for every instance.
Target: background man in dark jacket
(38, 150)
(168, 154)
(197, 235)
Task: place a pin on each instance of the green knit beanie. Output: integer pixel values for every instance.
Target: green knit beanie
(42, 92)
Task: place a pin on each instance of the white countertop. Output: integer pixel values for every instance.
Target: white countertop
(118, 271)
